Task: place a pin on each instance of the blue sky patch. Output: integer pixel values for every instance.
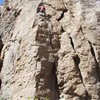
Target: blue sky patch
(1, 2)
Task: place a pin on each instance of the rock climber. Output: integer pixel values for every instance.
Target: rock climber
(42, 9)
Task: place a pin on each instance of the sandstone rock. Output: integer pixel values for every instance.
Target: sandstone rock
(56, 56)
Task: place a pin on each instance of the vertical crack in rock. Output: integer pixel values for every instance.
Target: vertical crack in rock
(93, 54)
(54, 70)
(62, 15)
(62, 29)
(77, 61)
(97, 65)
(88, 97)
(1, 61)
(1, 45)
(72, 43)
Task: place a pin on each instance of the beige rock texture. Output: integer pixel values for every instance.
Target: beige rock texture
(54, 57)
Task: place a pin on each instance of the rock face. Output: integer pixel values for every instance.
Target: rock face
(53, 57)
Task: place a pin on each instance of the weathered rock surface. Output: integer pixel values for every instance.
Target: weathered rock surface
(57, 56)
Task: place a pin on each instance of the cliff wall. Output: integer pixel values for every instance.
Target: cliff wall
(55, 56)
